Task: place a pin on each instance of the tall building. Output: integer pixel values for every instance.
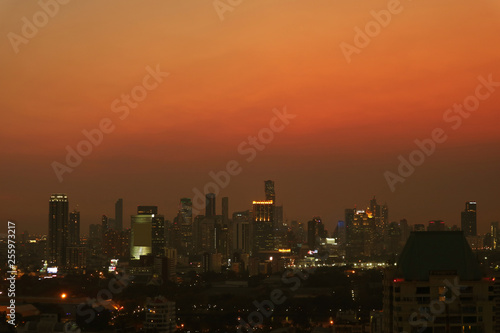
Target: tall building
(74, 229)
(362, 235)
(241, 231)
(263, 226)
(186, 227)
(469, 219)
(494, 235)
(438, 286)
(269, 190)
(141, 232)
(225, 210)
(119, 214)
(158, 243)
(210, 205)
(104, 223)
(315, 231)
(58, 229)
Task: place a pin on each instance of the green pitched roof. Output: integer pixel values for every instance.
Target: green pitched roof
(427, 251)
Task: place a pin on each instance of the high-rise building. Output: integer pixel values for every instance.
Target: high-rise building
(158, 243)
(58, 229)
(438, 285)
(361, 234)
(269, 190)
(469, 226)
(315, 231)
(225, 210)
(263, 226)
(494, 235)
(141, 232)
(241, 231)
(104, 223)
(119, 214)
(210, 205)
(74, 229)
(186, 226)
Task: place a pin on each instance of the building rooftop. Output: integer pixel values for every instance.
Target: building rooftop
(438, 252)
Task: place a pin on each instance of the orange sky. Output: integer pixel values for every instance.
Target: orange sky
(353, 119)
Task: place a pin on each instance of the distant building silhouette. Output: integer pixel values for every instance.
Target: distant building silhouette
(469, 226)
(58, 229)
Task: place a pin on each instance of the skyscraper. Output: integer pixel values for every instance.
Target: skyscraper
(158, 243)
(141, 231)
(225, 210)
(186, 226)
(74, 228)
(58, 229)
(119, 214)
(469, 219)
(263, 223)
(241, 231)
(494, 235)
(269, 189)
(210, 205)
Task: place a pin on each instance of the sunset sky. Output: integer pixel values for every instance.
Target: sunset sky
(225, 78)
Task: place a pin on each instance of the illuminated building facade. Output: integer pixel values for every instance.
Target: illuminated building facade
(58, 229)
(263, 225)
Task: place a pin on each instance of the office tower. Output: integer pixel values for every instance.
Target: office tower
(58, 229)
(119, 214)
(349, 217)
(186, 226)
(225, 210)
(95, 239)
(269, 190)
(393, 243)
(74, 229)
(436, 225)
(315, 231)
(469, 219)
(241, 231)
(362, 235)
(111, 223)
(405, 230)
(341, 233)
(494, 235)
(104, 223)
(438, 285)
(210, 205)
(160, 315)
(141, 231)
(147, 210)
(263, 226)
(158, 243)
